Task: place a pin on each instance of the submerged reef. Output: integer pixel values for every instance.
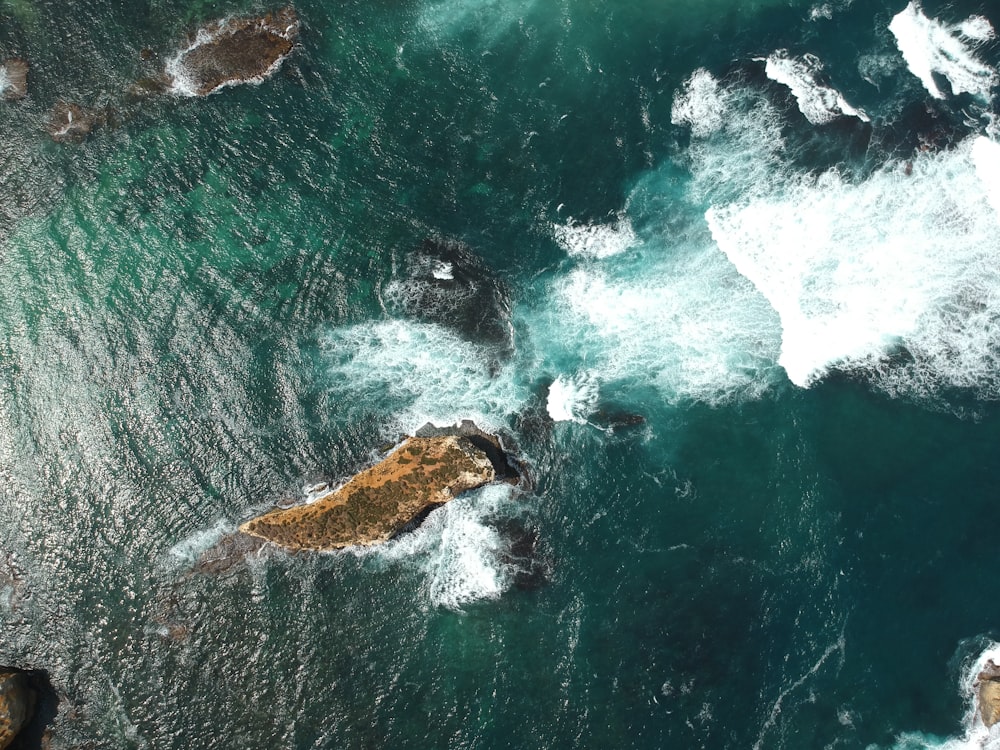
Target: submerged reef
(375, 505)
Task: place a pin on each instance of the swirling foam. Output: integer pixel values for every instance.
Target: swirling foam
(418, 372)
(595, 240)
(817, 101)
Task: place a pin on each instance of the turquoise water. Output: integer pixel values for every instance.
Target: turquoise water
(212, 304)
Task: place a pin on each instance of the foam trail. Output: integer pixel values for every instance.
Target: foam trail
(595, 240)
(818, 102)
(572, 399)
(456, 549)
(930, 46)
(853, 270)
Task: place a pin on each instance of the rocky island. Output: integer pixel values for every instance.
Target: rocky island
(17, 704)
(988, 693)
(422, 473)
(232, 51)
(14, 79)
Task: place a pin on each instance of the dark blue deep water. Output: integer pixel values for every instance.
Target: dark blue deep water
(726, 273)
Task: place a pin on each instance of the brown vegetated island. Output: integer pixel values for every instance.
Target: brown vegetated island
(379, 502)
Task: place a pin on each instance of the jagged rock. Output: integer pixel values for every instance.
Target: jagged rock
(988, 682)
(449, 285)
(14, 78)
(17, 704)
(234, 50)
(71, 123)
(387, 498)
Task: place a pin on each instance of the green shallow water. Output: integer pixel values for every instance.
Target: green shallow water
(199, 315)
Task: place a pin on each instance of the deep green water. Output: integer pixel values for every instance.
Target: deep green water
(213, 303)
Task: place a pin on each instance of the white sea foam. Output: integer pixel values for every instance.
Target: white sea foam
(930, 46)
(595, 240)
(691, 327)
(701, 104)
(419, 372)
(856, 269)
(573, 399)
(975, 735)
(818, 102)
(443, 271)
(457, 550)
(4, 80)
(189, 549)
(986, 157)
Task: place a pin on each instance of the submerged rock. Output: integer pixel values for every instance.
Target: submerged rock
(232, 51)
(17, 704)
(988, 693)
(14, 78)
(71, 123)
(393, 495)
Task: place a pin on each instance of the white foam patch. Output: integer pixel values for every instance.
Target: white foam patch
(573, 399)
(986, 157)
(418, 372)
(691, 327)
(818, 102)
(701, 104)
(930, 46)
(443, 271)
(457, 550)
(975, 735)
(853, 270)
(4, 80)
(595, 240)
(188, 550)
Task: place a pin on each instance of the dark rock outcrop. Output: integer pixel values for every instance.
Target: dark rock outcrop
(14, 78)
(17, 704)
(988, 693)
(392, 496)
(71, 123)
(449, 285)
(234, 50)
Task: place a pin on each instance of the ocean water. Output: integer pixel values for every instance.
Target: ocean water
(726, 273)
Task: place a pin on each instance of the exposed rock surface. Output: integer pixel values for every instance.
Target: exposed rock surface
(14, 78)
(988, 683)
(383, 500)
(235, 50)
(449, 285)
(71, 123)
(17, 705)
